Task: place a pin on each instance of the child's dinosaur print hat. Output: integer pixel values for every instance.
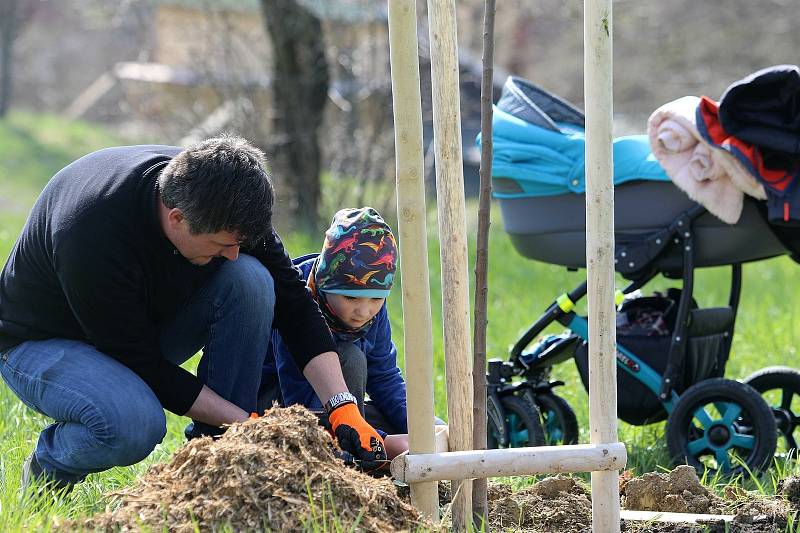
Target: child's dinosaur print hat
(359, 255)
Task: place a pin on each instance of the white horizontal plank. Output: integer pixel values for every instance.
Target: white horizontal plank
(411, 468)
(675, 518)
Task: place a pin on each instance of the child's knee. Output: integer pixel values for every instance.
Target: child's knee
(354, 363)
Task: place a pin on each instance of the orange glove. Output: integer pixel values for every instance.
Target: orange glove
(357, 437)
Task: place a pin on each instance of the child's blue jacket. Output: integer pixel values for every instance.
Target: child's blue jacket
(385, 384)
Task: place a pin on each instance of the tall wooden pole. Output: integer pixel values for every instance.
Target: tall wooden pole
(413, 235)
(479, 488)
(453, 239)
(598, 94)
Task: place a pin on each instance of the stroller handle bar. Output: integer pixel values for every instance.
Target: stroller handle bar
(556, 311)
(630, 259)
(561, 310)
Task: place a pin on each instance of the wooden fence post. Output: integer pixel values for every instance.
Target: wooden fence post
(413, 241)
(453, 240)
(598, 95)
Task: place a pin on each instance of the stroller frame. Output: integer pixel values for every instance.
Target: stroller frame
(744, 424)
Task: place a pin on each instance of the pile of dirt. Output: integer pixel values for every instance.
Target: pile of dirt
(790, 489)
(279, 473)
(273, 473)
(560, 503)
(680, 491)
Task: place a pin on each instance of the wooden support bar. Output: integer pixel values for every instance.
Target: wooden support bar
(453, 239)
(411, 215)
(598, 95)
(411, 468)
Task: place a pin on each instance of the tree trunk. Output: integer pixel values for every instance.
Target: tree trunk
(300, 90)
(479, 488)
(8, 30)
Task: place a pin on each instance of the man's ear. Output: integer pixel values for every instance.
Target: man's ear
(175, 216)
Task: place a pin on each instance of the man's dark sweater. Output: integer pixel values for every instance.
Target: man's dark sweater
(92, 264)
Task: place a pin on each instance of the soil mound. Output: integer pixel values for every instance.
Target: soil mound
(559, 503)
(790, 488)
(562, 503)
(273, 473)
(679, 491)
(279, 473)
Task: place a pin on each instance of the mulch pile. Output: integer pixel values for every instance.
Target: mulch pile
(276, 472)
(279, 473)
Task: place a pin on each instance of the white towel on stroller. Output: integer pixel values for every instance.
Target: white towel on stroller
(709, 175)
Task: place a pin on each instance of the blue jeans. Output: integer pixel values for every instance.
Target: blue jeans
(105, 415)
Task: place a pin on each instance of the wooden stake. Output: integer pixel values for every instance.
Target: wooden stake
(509, 462)
(453, 239)
(479, 488)
(413, 241)
(600, 254)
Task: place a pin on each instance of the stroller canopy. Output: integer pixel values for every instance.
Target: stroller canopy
(539, 143)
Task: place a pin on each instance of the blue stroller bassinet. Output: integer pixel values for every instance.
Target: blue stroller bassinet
(539, 184)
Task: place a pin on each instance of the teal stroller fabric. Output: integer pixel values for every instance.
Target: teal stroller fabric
(538, 153)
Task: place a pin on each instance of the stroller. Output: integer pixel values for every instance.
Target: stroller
(671, 353)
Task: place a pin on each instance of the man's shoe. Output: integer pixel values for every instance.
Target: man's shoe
(32, 472)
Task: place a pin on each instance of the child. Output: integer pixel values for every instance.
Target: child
(350, 279)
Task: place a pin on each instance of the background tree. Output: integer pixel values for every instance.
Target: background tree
(300, 90)
(13, 13)
(8, 30)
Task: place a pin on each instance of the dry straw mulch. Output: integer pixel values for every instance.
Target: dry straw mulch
(277, 472)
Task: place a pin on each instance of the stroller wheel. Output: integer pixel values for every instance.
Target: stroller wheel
(780, 387)
(722, 425)
(522, 420)
(559, 422)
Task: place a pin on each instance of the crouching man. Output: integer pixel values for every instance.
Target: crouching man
(132, 259)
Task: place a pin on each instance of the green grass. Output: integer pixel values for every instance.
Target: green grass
(33, 147)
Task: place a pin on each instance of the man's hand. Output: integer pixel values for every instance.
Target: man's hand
(214, 410)
(357, 437)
